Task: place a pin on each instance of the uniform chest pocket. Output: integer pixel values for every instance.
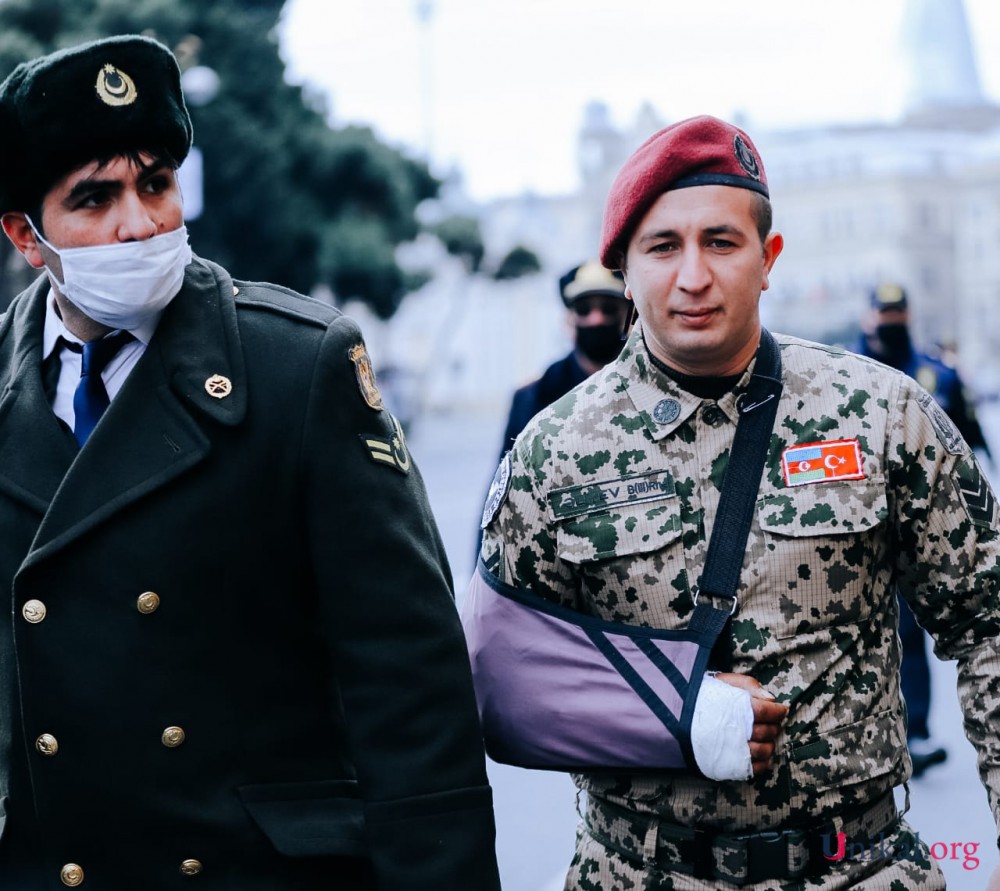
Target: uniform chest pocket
(822, 545)
(623, 531)
(630, 561)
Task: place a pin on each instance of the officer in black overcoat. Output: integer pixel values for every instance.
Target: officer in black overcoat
(230, 657)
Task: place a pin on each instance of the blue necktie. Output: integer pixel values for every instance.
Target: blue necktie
(91, 398)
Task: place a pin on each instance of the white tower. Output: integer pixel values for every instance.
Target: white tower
(942, 81)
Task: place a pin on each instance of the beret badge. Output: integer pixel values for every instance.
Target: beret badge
(746, 157)
(115, 87)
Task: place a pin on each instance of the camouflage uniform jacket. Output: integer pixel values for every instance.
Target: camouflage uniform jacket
(613, 493)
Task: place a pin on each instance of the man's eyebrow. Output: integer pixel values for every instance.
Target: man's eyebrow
(721, 229)
(88, 186)
(660, 233)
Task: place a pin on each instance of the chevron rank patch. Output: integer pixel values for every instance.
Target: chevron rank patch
(821, 462)
(391, 452)
(979, 500)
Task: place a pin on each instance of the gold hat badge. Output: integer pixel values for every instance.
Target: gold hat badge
(115, 87)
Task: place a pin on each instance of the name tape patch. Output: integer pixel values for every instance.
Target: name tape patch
(576, 501)
(820, 462)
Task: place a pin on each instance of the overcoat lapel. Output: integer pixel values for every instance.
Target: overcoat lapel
(156, 427)
(35, 450)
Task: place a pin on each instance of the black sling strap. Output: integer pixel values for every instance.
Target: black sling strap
(758, 407)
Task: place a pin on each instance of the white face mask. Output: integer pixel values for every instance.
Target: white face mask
(122, 285)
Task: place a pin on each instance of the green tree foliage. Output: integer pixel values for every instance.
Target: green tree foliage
(287, 199)
(519, 261)
(461, 237)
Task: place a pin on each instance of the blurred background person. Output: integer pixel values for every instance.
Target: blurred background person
(885, 335)
(597, 311)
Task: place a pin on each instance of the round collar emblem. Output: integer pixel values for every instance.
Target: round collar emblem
(666, 410)
(218, 386)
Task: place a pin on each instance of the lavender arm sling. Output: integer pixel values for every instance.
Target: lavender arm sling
(561, 690)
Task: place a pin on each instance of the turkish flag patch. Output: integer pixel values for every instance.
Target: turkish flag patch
(821, 462)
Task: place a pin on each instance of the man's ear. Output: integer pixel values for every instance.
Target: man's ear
(22, 236)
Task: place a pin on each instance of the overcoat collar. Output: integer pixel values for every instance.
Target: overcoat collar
(155, 429)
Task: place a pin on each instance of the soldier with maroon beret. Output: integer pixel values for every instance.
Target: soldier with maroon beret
(866, 488)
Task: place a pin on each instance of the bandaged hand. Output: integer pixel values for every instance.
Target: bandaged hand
(735, 727)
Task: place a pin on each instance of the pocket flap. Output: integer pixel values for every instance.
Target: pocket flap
(626, 530)
(824, 509)
(323, 819)
(831, 761)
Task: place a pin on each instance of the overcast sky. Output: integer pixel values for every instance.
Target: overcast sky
(498, 87)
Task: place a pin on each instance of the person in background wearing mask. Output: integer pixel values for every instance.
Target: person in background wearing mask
(230, 648)
(886, 336)
(597, 310)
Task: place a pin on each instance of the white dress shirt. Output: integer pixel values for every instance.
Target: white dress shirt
(114, 374)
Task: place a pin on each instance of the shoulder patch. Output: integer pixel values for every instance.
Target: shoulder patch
(365, 374)
(390, 451)
(498, 491)
(950, 438)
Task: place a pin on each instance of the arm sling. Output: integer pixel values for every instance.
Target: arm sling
(561, 690)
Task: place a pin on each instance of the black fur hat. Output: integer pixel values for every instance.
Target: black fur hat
(85, 103)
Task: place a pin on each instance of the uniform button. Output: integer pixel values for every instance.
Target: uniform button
(48, 745)
(148, 602)
(71, 875)
(33, 611)
(712, 415)
(191, 867)
(172, 737)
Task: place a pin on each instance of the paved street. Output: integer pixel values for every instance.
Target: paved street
(535, 810)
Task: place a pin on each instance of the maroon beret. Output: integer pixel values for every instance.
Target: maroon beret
(702, 151)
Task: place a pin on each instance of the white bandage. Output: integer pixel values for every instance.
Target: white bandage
(721, 729)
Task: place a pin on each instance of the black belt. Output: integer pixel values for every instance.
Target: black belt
(737, 858)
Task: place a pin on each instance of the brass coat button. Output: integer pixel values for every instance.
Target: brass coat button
(71, 875)
(172, 737)
(148, 602)
(191, 867)
(47, 744)
(33, 611)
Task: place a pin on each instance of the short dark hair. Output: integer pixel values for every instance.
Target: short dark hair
(760, 210)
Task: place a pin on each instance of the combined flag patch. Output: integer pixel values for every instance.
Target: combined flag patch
(820, 462)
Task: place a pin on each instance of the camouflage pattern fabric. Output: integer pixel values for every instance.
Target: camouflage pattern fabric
(612, 496)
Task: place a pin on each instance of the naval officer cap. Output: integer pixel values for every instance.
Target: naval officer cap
(888, 295)
(590, 278)
(90, 102)
(701, 151)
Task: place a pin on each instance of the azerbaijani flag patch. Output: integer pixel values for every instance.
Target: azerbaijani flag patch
(820, 462)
